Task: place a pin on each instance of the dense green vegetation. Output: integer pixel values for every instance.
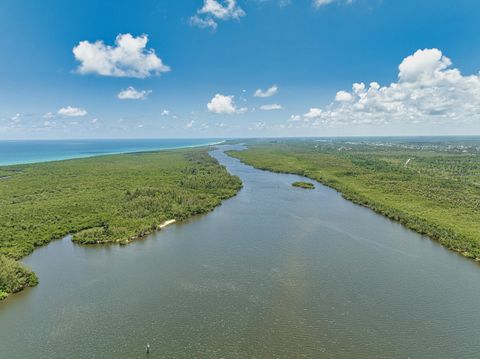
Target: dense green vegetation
(430, 185)
(14, 277)
(301, 184)
(103, 199)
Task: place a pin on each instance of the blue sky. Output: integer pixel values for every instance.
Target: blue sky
(309, 53)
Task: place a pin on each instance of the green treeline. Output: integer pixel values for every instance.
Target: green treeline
(14, 277)
(432, 188)
(102, 199)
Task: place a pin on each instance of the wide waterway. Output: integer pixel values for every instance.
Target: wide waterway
(275, 272)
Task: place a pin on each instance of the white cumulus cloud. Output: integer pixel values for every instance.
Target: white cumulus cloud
(267, 93)
(214, 10)
(70, 111)
(222, 104)
(428, 90)
(343, 96)
(423, 64)
(128, 58)
(313, 113)
(271, 107)
(130, 93)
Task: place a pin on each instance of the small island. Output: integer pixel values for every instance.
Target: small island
(306, 185)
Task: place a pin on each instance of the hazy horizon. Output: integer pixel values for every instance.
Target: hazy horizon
(233, 138)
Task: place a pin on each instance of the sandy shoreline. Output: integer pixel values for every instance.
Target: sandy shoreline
(144, 234)
(166, 223)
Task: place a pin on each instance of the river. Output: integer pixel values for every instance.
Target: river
(275, 272)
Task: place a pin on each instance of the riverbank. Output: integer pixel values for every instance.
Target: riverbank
(436, 194)
(107, 199)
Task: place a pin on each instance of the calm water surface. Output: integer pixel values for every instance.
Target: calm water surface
(276, 272)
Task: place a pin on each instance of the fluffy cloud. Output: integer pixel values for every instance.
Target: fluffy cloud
(229, 10)
(313, 113)
(271, 107)
(267, 93)
(428, 90)
(222, 104)
(70, 111)
(343, 96)
(128, 58)
(423, 64)
(214, 10)
(131, 93)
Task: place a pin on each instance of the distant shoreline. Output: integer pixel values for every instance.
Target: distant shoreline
(86, 155)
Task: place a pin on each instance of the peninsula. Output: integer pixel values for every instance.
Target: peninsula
(108, 199)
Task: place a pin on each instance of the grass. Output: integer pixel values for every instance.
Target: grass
(301, 184)
(100, 200)
(432, 187)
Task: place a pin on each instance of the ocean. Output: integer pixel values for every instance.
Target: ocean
(31, 151)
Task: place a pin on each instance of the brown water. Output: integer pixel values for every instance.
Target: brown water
(276, 272)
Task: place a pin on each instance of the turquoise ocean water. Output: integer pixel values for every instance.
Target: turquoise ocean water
(16, 152)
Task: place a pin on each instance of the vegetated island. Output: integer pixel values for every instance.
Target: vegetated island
(430, 185)
(301, 184)
(109, 199)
